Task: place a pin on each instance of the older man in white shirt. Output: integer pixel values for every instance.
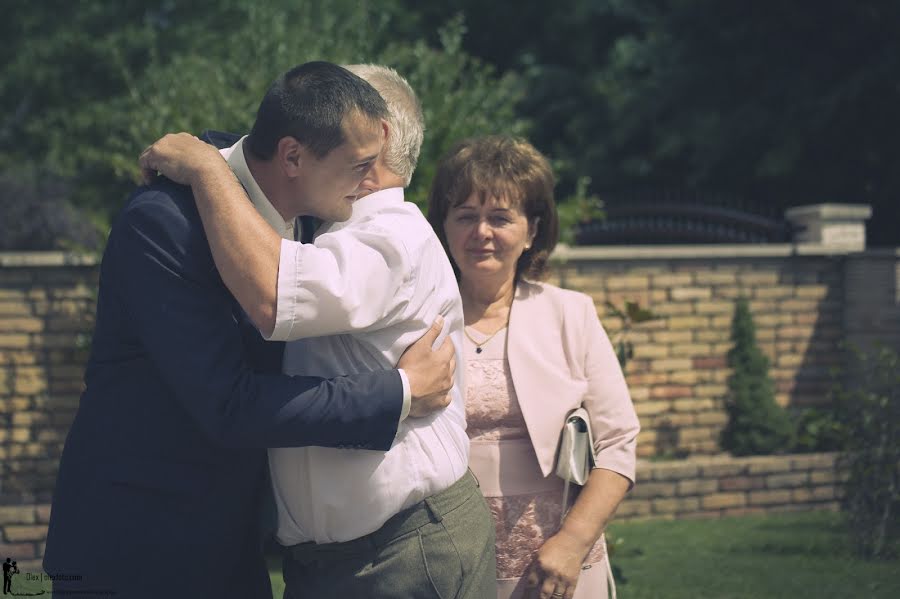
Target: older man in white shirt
(358, 522)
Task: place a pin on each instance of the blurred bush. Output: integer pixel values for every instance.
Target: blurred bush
(35, 214)
(868, 406)
(818, 429)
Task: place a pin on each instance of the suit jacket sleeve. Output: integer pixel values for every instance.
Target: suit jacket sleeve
(183, 317)
(607, 399)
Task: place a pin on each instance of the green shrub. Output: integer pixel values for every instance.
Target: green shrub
(756, 423)
(630, 316)
(35, 214)
(576, 209)
(818, 429)
(868, 405)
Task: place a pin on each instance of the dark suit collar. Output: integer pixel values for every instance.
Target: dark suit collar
(219, 139)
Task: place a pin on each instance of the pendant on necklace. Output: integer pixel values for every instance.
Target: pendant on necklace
(478, 350)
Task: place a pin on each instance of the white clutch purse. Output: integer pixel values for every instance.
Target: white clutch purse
(576, 453)
(576, 448)
(574, 465)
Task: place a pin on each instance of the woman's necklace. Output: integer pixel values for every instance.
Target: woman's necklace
(478, 346)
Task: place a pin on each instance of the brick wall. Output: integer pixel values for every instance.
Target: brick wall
(46, 309)
(716, 486)
(805, 300)
(24, 529)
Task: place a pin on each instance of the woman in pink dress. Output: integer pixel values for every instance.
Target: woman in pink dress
(534, 353)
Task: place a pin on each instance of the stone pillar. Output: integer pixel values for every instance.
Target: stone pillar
(872, 299)
(834, 225)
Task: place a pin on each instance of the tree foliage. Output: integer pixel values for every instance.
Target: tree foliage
(757, 425)
(793, 102)
(783, 104)
(103, 80)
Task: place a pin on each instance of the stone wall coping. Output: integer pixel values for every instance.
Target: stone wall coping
(879, 252)
(563, 253)
(566, 253)
(830, 212)
(46, 259)
(724, 458)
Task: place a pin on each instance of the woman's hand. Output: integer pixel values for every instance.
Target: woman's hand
(554, 571)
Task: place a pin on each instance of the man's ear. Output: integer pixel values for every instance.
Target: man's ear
(291, 155)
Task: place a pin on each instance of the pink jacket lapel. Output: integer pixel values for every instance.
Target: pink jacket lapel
(543, 362)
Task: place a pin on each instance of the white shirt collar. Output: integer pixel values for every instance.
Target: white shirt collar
(238, 163)
(367, 205)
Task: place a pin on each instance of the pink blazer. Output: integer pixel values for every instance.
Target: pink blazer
(559, 358)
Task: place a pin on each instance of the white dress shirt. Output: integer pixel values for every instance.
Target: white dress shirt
(366, 290)
(287, 230)
(352, 302)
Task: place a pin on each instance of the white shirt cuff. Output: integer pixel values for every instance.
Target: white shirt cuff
(407, 395)
(286, 294)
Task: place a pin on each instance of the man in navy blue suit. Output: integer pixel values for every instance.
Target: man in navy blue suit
(164, 467)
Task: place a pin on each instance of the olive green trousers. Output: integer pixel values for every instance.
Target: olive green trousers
(442, 547)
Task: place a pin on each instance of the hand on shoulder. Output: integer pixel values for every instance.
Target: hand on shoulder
(181, 157)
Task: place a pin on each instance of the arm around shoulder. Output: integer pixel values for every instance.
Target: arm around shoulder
(185, 321)
(344, 283)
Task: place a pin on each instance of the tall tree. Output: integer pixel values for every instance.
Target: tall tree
(784, 103)
(792, 102)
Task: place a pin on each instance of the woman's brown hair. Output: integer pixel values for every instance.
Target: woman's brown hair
(503, 167)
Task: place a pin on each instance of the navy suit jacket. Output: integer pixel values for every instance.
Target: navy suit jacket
(164, 467)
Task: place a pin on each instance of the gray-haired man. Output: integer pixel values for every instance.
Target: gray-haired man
(358, 522)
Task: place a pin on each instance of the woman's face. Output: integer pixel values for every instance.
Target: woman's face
(487, 238)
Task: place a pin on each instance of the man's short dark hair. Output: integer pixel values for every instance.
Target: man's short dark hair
(309, 103)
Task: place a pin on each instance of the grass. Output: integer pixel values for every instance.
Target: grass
(783, 556)
(275, 575)
(30, 584)
(788, 556)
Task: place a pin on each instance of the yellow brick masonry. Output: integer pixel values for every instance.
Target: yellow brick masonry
(678, 376)
(23, 529)
(678, 373)
(46, 307)
(716, 486)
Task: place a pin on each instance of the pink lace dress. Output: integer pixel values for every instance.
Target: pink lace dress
(525, 505)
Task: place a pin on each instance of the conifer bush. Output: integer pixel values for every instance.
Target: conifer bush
(757, 425)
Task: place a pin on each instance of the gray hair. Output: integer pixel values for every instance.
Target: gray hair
(405, 119)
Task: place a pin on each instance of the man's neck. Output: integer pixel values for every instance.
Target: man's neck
(386, 178)
(263, 173)
(367, 194)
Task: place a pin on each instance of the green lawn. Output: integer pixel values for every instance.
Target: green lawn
(275, 575)
(786, 556)
(783, 556)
